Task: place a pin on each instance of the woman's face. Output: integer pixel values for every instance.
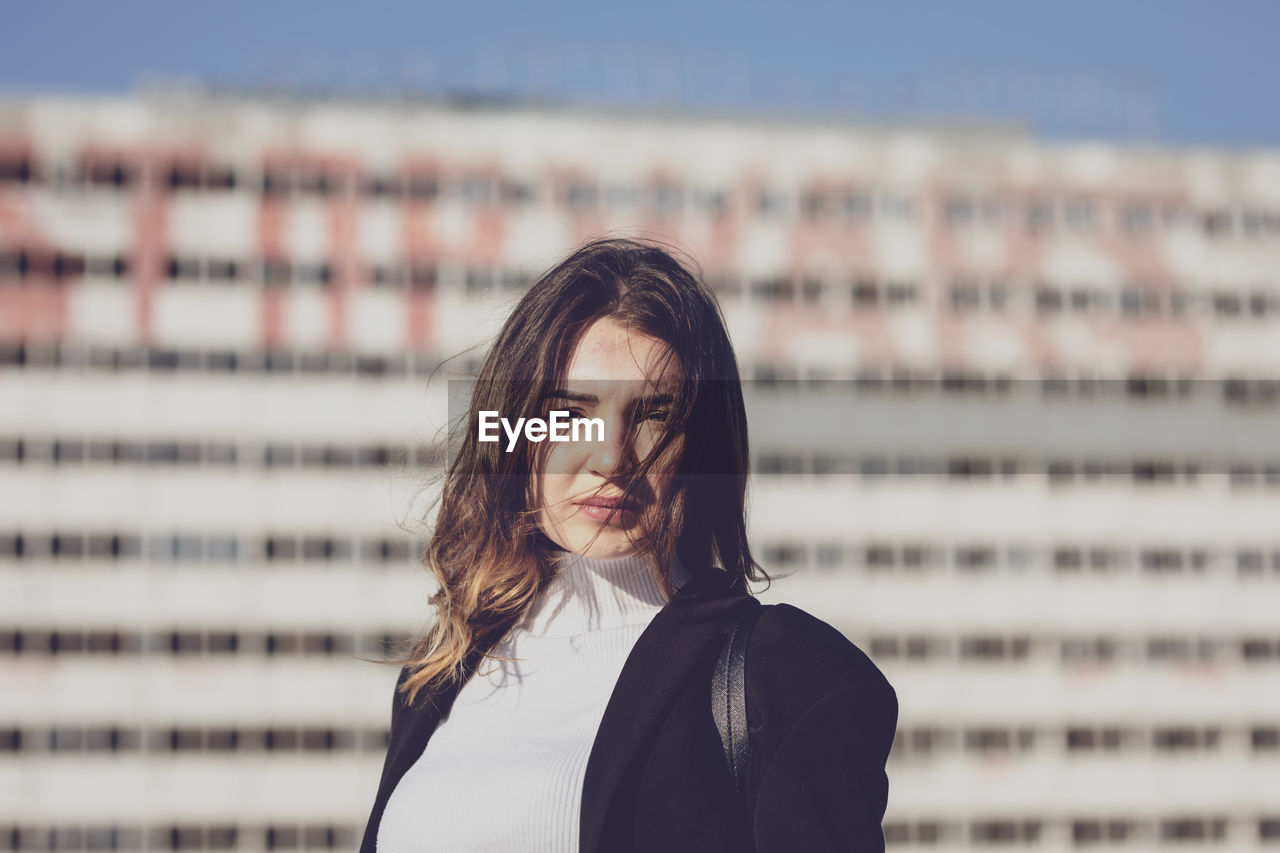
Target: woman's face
(626, 379)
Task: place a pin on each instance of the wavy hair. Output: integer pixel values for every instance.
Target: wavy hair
(487, 552)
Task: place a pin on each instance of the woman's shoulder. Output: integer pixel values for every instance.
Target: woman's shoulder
(822, 718)
(791, 634)
(795, 660)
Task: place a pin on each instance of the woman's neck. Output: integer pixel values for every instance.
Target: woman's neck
(591, 594)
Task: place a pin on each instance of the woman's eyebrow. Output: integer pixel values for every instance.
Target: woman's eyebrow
(573, 396)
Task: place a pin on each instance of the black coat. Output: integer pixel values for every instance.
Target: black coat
(821, 718)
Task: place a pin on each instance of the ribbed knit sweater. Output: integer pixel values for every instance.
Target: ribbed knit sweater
(503, 771)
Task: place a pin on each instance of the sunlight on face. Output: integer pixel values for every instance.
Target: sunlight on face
(625, 378)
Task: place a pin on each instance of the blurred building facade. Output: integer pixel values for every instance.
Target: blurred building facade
(1041, 491)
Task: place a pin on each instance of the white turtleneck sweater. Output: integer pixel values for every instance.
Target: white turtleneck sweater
(503, 771)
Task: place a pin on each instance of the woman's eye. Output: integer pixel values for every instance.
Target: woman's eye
(659, 415)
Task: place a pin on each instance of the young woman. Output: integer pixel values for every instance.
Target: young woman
(562, 700)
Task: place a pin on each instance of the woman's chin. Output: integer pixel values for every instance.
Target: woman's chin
(609, 544)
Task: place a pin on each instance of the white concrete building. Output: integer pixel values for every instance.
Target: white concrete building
(1044, 495)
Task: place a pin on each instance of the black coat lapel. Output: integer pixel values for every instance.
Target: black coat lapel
(659, 663)
(411, 729)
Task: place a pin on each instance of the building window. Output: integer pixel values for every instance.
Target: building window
(15, 169)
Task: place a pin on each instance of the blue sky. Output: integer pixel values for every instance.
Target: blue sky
(1172, 71)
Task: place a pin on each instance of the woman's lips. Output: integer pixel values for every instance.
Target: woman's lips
(608, 511)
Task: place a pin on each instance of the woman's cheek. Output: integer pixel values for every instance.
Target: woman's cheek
(558, 460)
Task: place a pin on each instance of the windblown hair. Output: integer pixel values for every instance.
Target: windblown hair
(487, 551)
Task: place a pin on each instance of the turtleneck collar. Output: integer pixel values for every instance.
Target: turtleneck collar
(589, 594)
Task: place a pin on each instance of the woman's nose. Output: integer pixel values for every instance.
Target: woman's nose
(608, 455)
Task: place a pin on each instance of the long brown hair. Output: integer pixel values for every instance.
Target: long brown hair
(487, 552)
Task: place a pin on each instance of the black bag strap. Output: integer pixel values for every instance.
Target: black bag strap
(729, 696)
